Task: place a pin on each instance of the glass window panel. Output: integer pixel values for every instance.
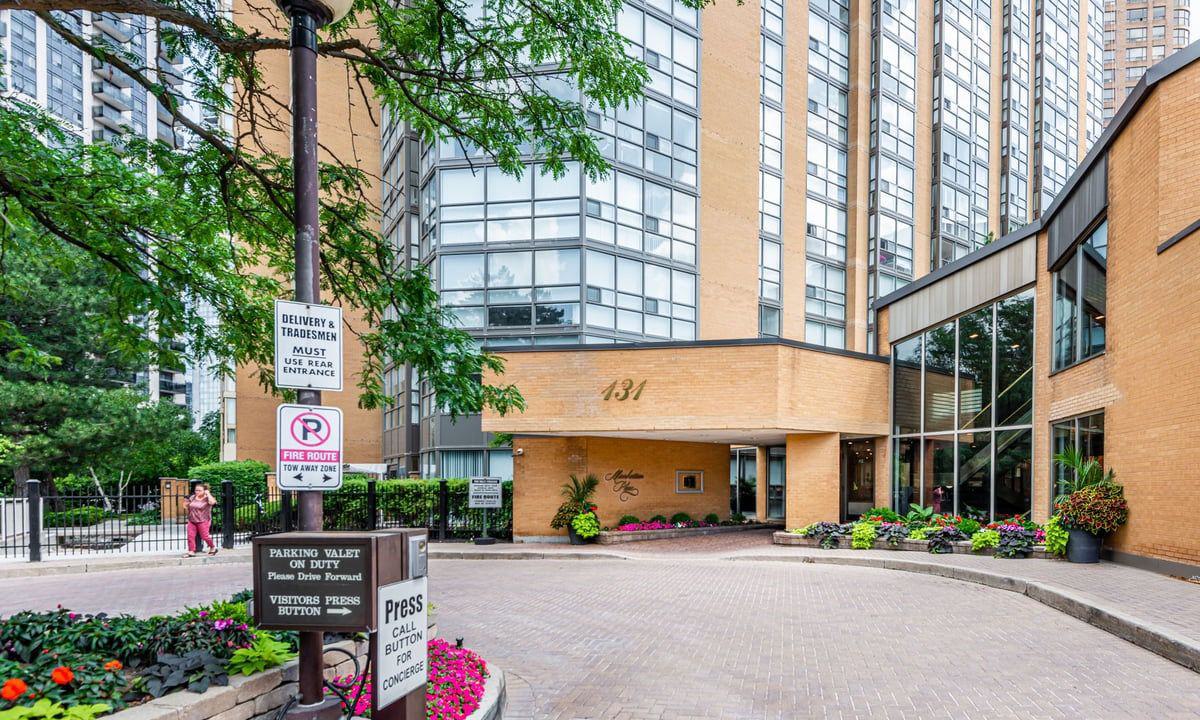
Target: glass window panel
(629, 276)
(1094, 258)
(1014, 473)
(906, 386)
(939, 473)
(975, 369)
(601, 270)
(629, 192)
(559, 314)
(601, 316)
(509, 316)
(974, 475)
(461, 271)
(1062, 438)
(548, 186)
(461, 233)
(1091, 437)
(939, 378)
(658, 282)
(461, 186)
(1014, 360)
(504, 187)
(768, 320)
(469, 317)
(1065, 313)
(906, 488)
(514, 269)
(684, 288)
(509, 230)
(557, 267)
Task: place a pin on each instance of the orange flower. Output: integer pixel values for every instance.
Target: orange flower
(13, 689)
(113, 665)
(62, 675)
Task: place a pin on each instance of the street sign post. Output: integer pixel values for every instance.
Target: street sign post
(308, 346)
(309, 447)
(401, 653)
(484, 493)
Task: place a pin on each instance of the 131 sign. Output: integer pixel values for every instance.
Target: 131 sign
(623, 390)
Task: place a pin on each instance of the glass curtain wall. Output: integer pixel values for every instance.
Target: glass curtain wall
(1081, 299)
(770, 184)
(962, 413)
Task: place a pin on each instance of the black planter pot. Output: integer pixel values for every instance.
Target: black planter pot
(574, 536)
(1083, 547)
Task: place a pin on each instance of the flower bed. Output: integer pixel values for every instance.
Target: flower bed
(457, 679)
(623, 534)
(921, 529)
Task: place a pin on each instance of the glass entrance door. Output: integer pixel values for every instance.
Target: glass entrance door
(743, 481)
(858, 477)
(776, 482)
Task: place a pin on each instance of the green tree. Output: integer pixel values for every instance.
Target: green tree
(499, 79)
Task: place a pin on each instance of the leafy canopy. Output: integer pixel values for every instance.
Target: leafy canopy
(202, 221)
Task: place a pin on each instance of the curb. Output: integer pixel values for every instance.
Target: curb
(495, 696)
(143, 562)
(1160, 641)
(616, 537)
(520, 555)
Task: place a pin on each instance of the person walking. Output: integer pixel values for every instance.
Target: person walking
(199, 519)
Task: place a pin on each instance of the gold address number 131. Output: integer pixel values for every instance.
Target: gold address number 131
(624, 390)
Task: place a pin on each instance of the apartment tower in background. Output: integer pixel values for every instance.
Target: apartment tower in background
(98, 102)
(1137, 34)
(799, 161)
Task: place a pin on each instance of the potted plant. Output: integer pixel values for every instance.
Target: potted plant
(577, 500)
(584, 527)
(1089, 514)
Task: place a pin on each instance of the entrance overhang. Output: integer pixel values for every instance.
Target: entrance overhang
(736, 392)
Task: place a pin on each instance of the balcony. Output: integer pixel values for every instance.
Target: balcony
(109, 116)
(120, 98)
(119, 30)
(108, 72)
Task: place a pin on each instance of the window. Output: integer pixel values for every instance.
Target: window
(962, 409)
(1136, 15)
(1080, 290)
(1085, 434)
(1134, 54)
(1135, 34)
(768, 320)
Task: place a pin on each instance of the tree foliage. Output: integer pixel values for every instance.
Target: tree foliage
(173, 227)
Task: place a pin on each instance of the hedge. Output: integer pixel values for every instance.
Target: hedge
(75, 517)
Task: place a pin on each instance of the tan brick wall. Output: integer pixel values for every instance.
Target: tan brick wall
(348, 133)
(883, 472)
(740, 388)
(813, 478)
(546, 463)
(1146, 382)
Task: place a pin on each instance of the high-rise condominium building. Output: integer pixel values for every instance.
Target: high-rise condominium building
(788, 166)
(1137, 34)
(99, 102)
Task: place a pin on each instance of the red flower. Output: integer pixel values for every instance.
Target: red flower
(113, 665)
(13, 689)
(62, 675)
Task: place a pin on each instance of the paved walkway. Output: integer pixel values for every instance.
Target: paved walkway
(666, 630)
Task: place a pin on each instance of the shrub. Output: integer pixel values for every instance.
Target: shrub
(984, 540)
(248, 477)
(577, 499)
(891, 533)
(658, 518)
(940, 539)
(919, 515)
(1099, 509)
(1015, 541)
(628, 520)
(884, 514)
(969, 527)
(681, 517)
(586, 525)
(826, 533)
(712, 518)
(737, 518)
(1056, 537)
(862, 536)
(75, 517)
(45, 709)
(196, 670)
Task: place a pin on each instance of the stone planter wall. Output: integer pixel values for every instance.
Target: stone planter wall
(962, 547)
(247, 697)
(616, 537)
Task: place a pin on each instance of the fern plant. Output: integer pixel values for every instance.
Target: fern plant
(1084, 472)
(577, 498)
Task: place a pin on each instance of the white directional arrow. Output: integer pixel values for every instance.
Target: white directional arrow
(338, 611)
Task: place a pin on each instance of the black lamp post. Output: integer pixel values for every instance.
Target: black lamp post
(306, 17)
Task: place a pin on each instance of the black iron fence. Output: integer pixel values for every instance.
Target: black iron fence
(46, 522)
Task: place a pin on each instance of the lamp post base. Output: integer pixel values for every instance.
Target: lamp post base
(485, 541)
(328, 709)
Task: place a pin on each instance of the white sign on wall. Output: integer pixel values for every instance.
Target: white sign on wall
(401, 652)
(308, 346)
(484, 492)
(309, 447)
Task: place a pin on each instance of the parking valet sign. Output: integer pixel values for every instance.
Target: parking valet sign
(401, 649)
(308, 346)
(309, 445)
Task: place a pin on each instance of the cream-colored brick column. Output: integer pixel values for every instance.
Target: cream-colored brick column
(813, 478)
(763, 471)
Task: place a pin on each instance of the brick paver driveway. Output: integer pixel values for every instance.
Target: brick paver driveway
(685, 637)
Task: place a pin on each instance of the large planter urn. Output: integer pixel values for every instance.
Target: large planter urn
(1084, 547)
(573, 536)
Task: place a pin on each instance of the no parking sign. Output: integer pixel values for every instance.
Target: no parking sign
(309, 444)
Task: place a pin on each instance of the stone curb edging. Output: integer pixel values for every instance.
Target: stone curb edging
(617, 537)
(1160, 641)
(140, 562)
(495, 696)
(435, 554)
(958, 547)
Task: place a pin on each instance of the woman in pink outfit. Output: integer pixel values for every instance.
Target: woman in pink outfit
(199, 519)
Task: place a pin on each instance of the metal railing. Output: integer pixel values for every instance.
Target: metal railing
(46, 522)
